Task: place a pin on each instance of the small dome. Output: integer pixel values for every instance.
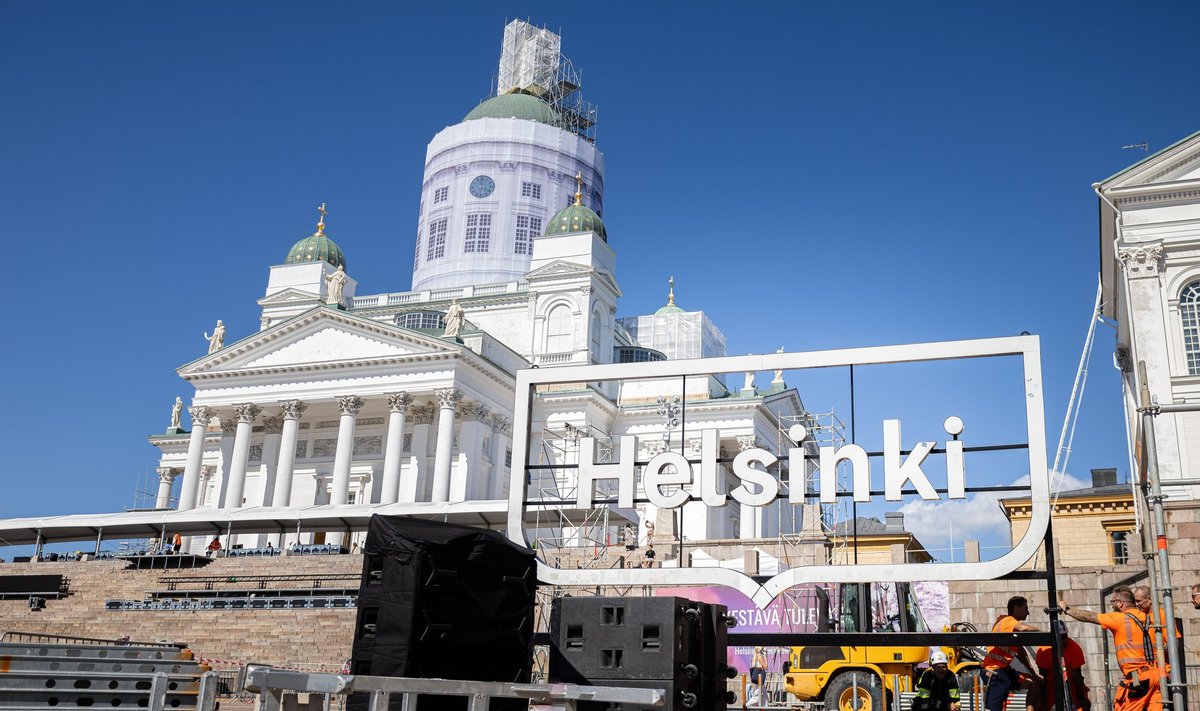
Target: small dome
(518, 106)
(576, 218)
(317, 247)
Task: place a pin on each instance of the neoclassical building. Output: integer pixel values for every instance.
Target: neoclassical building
(346, 403)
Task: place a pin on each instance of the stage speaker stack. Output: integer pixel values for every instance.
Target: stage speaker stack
(443, 601)
(668, 643)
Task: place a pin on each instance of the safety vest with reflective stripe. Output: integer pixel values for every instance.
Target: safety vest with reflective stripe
(1130, 642)
(1000, 657)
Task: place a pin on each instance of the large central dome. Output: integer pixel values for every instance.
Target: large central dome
(517, 106)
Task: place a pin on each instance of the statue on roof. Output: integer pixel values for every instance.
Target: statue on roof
(336, 283)
(176, 413)
(217, 340)
(454, 319)
(778, 373)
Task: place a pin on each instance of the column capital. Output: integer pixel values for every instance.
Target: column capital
(449, 397)
(247, 411)
(1141, 260)
(746, 441)
(201, 415)
(229, 425)
(502, 424)
(422, 414)
(293, 409)
(167, 474)
(273, 424)
(207, 470)
(350, 404)
(399, 402)
(473, 411)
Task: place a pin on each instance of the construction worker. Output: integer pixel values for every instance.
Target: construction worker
(999, 674)
(937, 689)
(1130, 628)
(1145, 603)
(1072, 666)
(1196, 596)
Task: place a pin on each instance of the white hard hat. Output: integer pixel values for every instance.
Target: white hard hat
(938, 657)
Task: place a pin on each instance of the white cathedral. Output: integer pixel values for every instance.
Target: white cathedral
(345, 404)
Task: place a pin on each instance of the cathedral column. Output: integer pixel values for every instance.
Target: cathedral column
(469, 482)
(448, 403)
(501, 431)
(195, 455)
(228, 430)
(206, 475)
(394, 449)
(342, 456)
(415, 479)
(269, 468)
(292, 409)
(246, 412)
(750, 526)
(166, 477)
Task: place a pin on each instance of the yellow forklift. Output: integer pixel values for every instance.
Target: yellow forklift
(867, 678)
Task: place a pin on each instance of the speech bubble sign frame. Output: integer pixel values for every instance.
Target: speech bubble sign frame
(1026, 347)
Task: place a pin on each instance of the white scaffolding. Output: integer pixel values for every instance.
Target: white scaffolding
(532, 62)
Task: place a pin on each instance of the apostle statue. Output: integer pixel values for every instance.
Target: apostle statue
(336, 283)
(749, 383)
(454, 319)
(217, 340)
(779, 373)
(176, 413)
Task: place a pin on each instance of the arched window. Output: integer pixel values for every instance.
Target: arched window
(559, 330)
(596, 332)
(1189, 313)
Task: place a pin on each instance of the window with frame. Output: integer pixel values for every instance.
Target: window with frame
(417, 250)
(528, 227)
(441, 194)
(533, 191)
(436, 243)
(1189, 314)
(1119, 541)
(479, 232)
(560, 330)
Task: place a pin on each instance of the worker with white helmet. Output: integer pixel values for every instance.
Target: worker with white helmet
(937, 689)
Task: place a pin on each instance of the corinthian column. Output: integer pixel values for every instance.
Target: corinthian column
(246, 412)
(397, 406)
(448, 403)
(292, 409)
(166, 477)
(349, 405)
(195, 455)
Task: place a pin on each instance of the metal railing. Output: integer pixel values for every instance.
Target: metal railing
(271, 684)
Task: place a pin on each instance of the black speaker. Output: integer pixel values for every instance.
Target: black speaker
(443, 601)
(644, 642)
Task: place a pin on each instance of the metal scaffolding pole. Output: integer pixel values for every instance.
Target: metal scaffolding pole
(1149, 411)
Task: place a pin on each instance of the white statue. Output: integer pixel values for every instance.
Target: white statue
(749, 384)
(176, 413)
(779, 373)
(454, 319)
(336, 283)
(217, 340)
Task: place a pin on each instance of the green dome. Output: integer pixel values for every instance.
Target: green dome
(518, 106)
(670, 308)
(576, 218)
(316, 248)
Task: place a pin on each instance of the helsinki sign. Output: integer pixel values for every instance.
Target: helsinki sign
(669, 480)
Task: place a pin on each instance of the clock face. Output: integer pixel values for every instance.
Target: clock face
(482, 186)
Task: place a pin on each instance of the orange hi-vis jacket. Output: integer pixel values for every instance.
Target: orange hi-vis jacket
(1128, 638)
(1001, 657)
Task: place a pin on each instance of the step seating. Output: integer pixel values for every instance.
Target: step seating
(44, 671)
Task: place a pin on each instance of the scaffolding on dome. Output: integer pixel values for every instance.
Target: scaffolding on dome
(532, 62)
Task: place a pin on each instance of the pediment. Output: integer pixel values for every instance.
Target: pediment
(321, 337)
(558, 270)
(1177, 163)
(289, 297)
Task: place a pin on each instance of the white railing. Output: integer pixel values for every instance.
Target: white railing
(418, 297)
(554, 358)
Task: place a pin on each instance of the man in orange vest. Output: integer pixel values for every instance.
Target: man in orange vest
(1130, 628)
(999, 675)
(1072, 666)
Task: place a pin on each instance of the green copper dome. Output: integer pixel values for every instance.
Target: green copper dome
(576, 218)
(670, 308)
(316, 248)
(518, 106)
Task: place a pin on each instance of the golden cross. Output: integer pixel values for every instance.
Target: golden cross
(671, 294)
(579, 191)
(321, 220)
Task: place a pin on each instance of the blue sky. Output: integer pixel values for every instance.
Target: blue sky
(814, 175)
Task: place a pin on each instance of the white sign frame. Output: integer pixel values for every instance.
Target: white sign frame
(1027, 347)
